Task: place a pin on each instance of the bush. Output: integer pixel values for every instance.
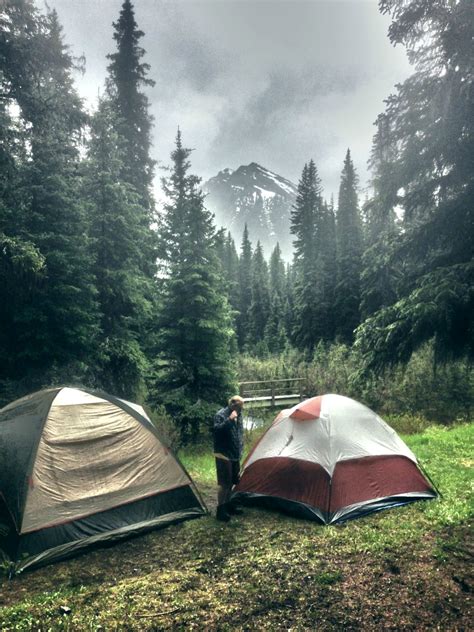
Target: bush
(192, 420)
(420, 389)
(166, 427)
(407, 424)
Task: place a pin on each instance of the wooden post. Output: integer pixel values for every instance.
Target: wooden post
(273, 395)
(241, 390)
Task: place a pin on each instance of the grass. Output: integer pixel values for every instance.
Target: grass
(407, 568)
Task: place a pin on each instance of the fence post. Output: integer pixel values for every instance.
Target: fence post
(241, 390)
(273, 395)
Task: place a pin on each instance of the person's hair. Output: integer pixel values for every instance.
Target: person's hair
(236, 399)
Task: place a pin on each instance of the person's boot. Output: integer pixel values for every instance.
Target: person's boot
(222, 514)
(233, 509)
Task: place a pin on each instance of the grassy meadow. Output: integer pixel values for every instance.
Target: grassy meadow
(406, 568)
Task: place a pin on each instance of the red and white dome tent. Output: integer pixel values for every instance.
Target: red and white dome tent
(330, 459)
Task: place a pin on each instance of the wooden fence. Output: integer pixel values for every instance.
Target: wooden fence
(271, 393)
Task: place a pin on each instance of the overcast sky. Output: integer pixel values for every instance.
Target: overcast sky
(270, 81)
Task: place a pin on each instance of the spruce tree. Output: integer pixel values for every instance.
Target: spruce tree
(379, 268)
(128, 75)
(227, 254)
(289, 303)
(231, 272)
(245, 289)
(124, 291)
(195, 323)
(327, 271)
(21, 264)
(306, 222)
(219, 241)
(349, 253)
(429, 152)
(259, 310)
(53, 329)
(275, 330)
(277, 272)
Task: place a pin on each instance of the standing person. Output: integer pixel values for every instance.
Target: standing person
(228, 446)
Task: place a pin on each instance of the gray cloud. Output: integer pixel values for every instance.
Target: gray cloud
(271, 81)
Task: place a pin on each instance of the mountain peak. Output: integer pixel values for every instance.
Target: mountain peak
(257, 196)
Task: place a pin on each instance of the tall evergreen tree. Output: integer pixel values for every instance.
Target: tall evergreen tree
(128, 75)
(227, 253)
(123, 289)
(245, 289)
(349, 250)
(57, 327)
(275, 329)
(277, 272)
(195, 322)
(219, 241)
(428, 126)
(327, 270)
(259, 310)
(289, 303)
(379, 270)
(231, 268)
(306, 225)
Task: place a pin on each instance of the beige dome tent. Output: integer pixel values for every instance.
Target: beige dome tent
(79, 467)
(329, 459)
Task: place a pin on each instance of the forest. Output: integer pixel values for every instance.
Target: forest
(101, 287)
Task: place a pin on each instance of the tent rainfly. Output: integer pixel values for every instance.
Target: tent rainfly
(330, 459)
(79, 467)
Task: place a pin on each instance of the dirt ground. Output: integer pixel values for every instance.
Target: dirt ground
(264, 571)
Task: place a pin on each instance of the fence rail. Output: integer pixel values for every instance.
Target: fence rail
(273, 392)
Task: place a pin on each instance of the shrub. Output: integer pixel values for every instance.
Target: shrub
(191, 419)
(420, 389)
(167, 427)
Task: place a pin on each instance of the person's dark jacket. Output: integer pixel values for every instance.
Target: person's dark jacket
(228, 434)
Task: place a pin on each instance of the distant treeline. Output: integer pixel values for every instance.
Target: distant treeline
(98, 288)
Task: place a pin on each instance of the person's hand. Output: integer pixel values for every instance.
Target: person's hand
(233, 415)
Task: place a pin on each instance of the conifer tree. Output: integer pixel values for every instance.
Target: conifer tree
(275, 330)
(124, 291)
(227, 253)
(277, 272)
(21, 263)
(231, 267)
(349, 251)
(429, 152)
(195, 323)
(128, 75)
(259, 310)
(56, 329)
(306, 223)
(327, 271)
(219, 241)
(379, 269)
(289, 303)
(245, 289)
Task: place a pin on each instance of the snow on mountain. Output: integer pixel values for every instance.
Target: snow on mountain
(257, 197)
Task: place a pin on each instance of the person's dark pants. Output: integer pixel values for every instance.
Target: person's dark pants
(227, 476)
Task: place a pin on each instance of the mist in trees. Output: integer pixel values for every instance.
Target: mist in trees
(99, 288)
